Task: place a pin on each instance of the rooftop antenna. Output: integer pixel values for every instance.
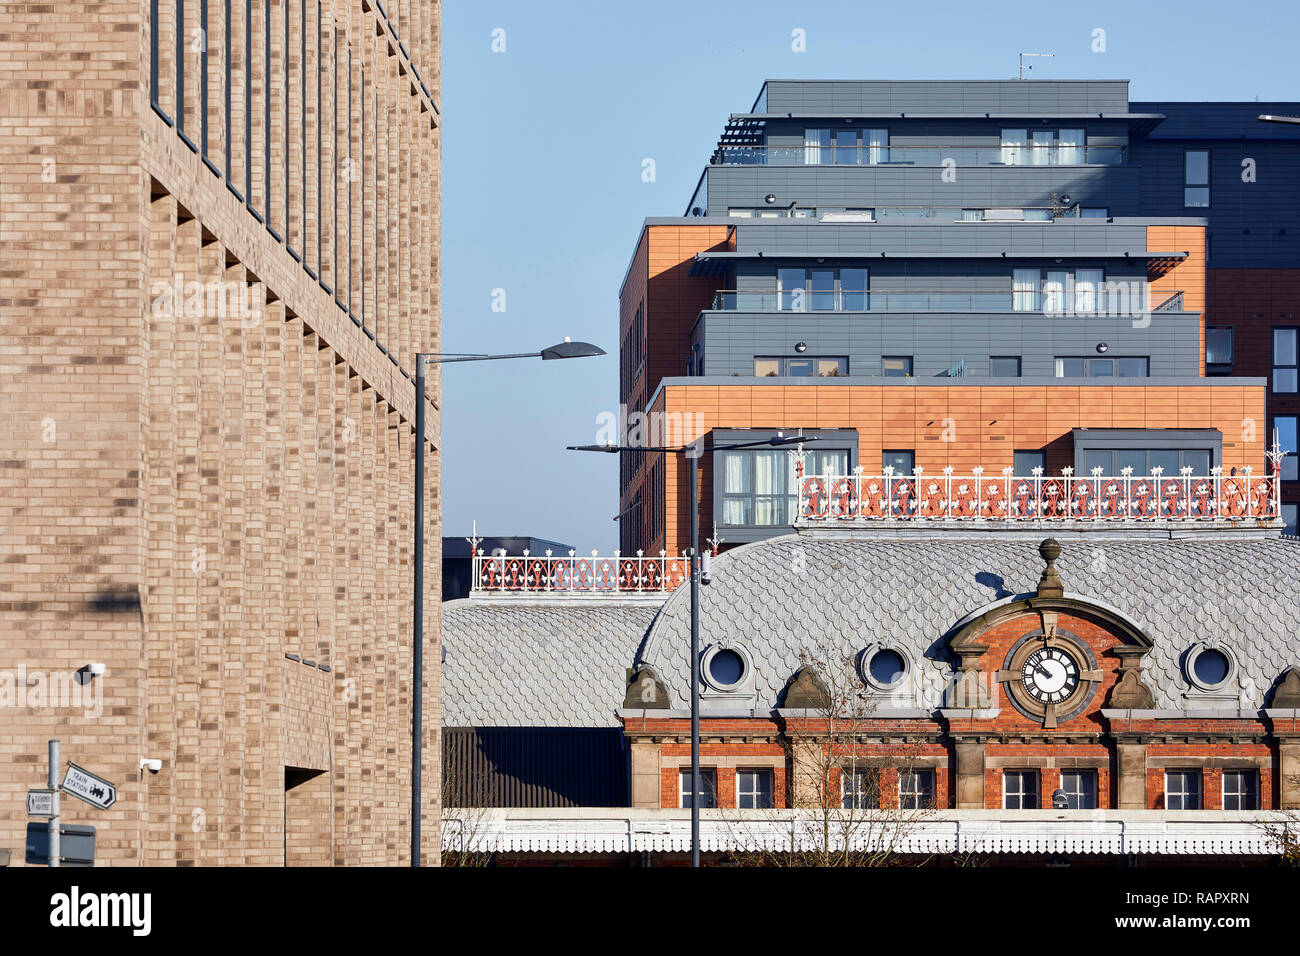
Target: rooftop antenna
(1030, 67)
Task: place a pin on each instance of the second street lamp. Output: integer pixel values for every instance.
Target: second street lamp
(563, 350)
(693, 452)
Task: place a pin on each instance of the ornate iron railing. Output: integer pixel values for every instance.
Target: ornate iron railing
(574, 574)
(1037, 497)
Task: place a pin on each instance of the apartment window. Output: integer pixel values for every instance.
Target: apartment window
(896, 366)
(1218, 349)
(1066, 291)
(1241, 789)
(801, 367)
(1020, 789)
(1196, 178)
(708, 789)
(1182, 790)
(823, 290)
(1170, 461)
(1291, 518)
(1044, 147)
(858, 790)
(759, 488)
(754, 789)
(1128, 366)
(915, 789)
(1024, 462)
(1094, 212)
(1285, 377)
(1080, 787)
(903, 462)
(1286, 428)
(845, 147)
(972, 215)
(1004, 366)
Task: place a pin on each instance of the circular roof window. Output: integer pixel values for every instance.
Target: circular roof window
(1211, 667)
(887, 667)
(884, 667)
(726, 667)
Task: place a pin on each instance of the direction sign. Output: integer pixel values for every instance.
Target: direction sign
(84, 785)
(40, 803)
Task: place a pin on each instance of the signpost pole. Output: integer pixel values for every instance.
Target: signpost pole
(55, 850)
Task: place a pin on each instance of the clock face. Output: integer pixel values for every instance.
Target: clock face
(1050, 675)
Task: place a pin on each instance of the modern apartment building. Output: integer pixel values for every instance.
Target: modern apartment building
(219, 223)
(964, 275)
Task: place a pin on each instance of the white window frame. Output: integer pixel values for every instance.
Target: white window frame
(1081, 774)
(860, 797)
(919, 793)
(684, 786)
(751, 776)
(1239, 792)
(1021, 775)
(1192, 773)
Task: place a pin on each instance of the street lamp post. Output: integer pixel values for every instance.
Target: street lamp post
(693, 453)
(563, 350)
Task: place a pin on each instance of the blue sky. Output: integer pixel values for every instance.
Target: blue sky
(543, 195)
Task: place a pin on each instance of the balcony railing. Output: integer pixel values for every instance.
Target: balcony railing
(1117, 298)
(1038, 497)
(919, 155)
(574, 574)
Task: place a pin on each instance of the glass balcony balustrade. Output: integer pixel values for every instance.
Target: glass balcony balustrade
(1123, 300)
(921, 155)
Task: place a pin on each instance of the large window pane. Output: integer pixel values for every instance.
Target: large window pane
(896, 366)
(1285, 426)
(1218, 346)
(846, 147)
(1024, 462)
(1166, 459)
(1133, 366)
(903, 462)
(1024, 285)
(1197, 168)
(1284, 360)
(792, 283)
(853, 289)
(1006, 366)
(1098, 458)
(1069, 368)
(1013, 142)
(1101, 368)
(1197, 460)
(764, 367)
(823, 290)
(816, 143)
(1071, 151)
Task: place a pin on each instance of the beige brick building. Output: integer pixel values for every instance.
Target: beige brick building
(219, 233)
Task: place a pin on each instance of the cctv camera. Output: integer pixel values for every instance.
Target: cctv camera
(706, 567)
(96, 669)
(151, 764)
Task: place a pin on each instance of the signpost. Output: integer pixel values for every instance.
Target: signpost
(84, 785)
(45, 842)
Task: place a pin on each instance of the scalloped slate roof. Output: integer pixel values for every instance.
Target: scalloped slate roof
(808, 592)
(522, 664)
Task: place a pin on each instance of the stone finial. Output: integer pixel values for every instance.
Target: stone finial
(1049, 585)
(807, 690)
(645, 690)
(1287, 693)
(1131, 692)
